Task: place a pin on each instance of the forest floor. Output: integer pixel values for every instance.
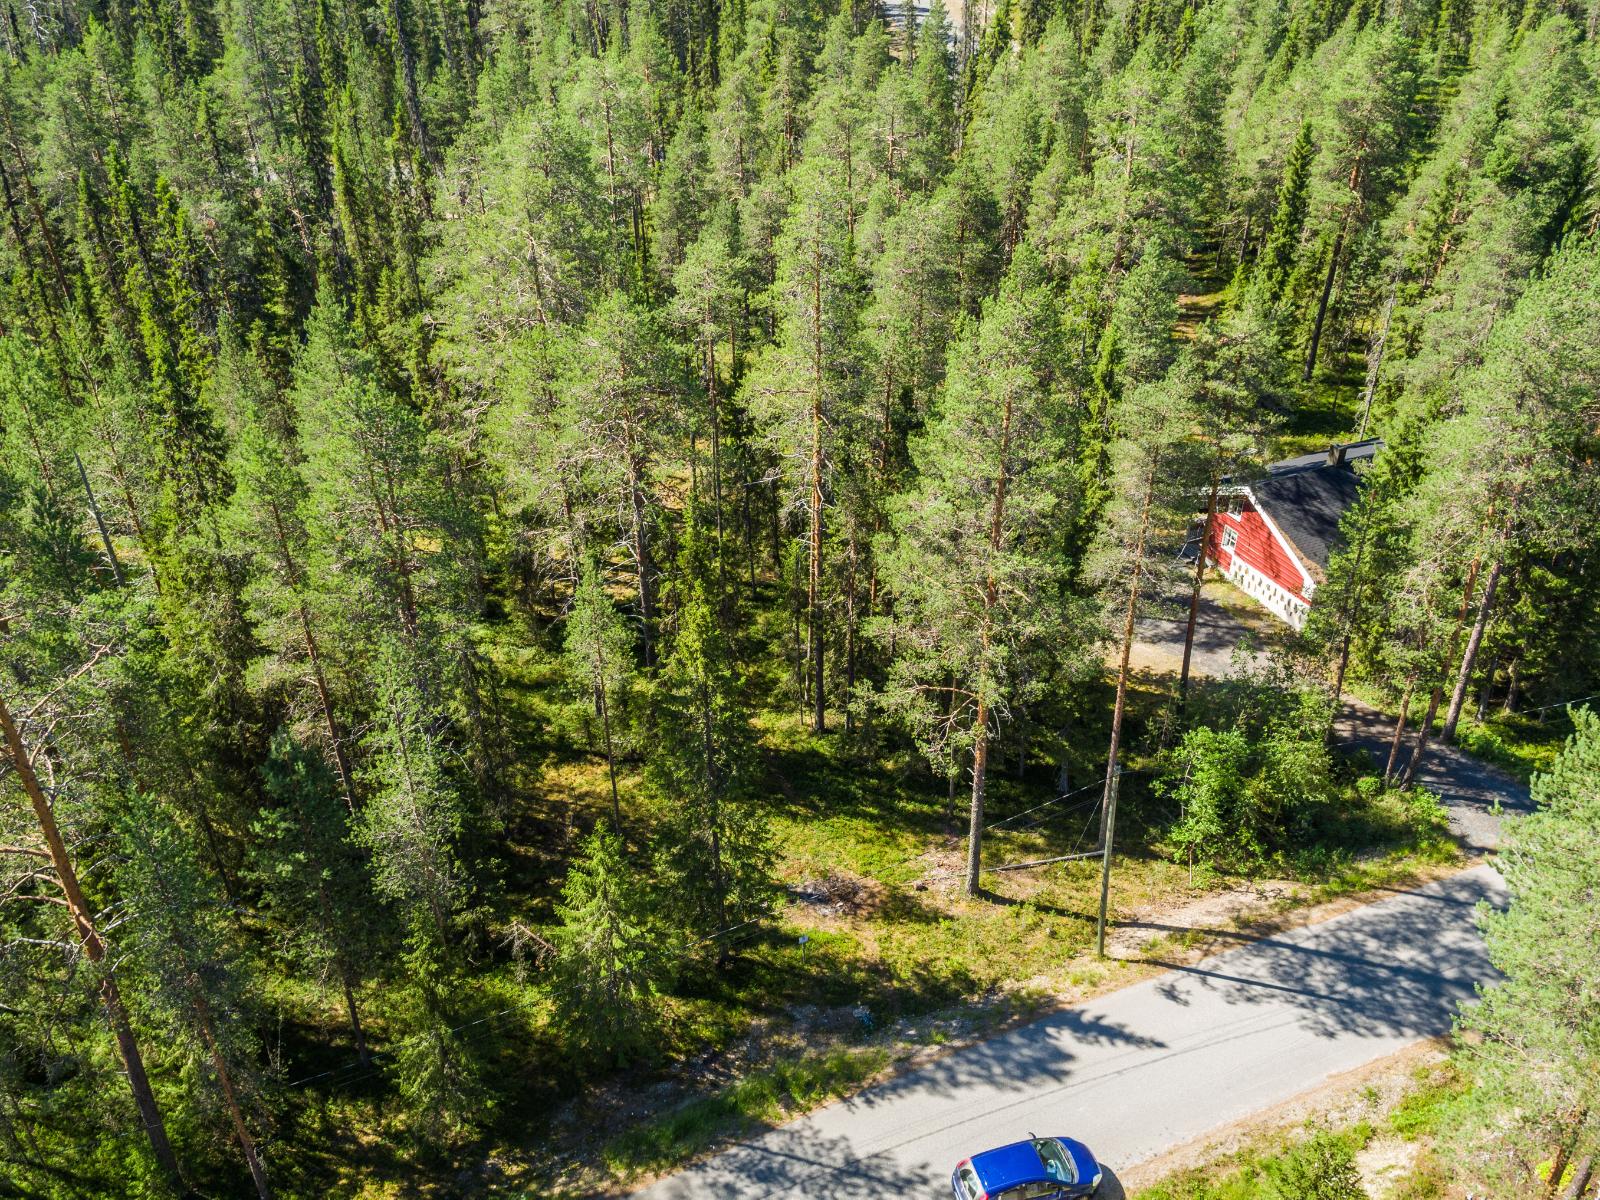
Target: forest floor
(897, 964)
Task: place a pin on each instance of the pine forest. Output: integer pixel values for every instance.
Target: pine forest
(550, 548)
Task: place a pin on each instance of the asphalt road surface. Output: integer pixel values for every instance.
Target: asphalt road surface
(1142, 1069)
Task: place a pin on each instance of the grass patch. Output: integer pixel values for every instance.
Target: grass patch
(1516, 744)
(763, 1098)
(1324, 1159)
(1273, 1168)
(1429, 1107)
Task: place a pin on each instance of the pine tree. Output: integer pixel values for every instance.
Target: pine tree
(1533, 1062)
(973, 566)
(804, 392)
(622, 399)
(708, 291)
(1154, 476)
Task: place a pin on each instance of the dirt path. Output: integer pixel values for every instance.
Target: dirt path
(1475, 792)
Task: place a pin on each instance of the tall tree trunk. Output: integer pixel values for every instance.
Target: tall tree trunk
(991, 597)
(716, 446)
(1399, 729)
(408, 63)
(641, 559)
(1423, 730)
(94, 949)
(1375, 360)
(980, 772)
(1347, 614)
(1194, 592)
(341, 760)
(602, 703)
(363, 1054)
(1426, 728)
(1322, 305)
(851, 620)
(100, 523)
(814, 572)
(1127, 649)
(247, 1144)
(1474, 643)
(1512, 682)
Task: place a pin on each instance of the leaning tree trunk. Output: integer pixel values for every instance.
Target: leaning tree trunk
(1423, 731)
(1399, 730)
(94, 950)
(1474, 643)
(230, 1098)
(1322, 306)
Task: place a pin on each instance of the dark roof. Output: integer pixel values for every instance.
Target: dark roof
(1306, 497)
(1353, 452)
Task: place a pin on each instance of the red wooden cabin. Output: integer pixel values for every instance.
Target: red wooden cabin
(1272, 538)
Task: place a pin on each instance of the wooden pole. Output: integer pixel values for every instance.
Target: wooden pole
(1105, 860)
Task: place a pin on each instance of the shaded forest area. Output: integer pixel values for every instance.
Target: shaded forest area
(467, 470)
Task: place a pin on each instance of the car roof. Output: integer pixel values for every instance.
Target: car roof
(1007, 1166)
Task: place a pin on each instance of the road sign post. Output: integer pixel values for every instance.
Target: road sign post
(1105, 860)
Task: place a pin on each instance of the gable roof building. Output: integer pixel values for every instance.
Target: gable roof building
(1273, 537)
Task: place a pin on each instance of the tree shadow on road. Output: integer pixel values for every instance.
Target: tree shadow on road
(1397, 971)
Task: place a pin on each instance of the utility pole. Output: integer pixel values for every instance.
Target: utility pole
(1105, 860)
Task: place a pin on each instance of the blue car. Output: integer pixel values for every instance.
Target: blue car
(1038, 1169)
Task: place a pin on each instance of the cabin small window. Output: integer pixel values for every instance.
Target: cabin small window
(1235, 505)
(1230, 538)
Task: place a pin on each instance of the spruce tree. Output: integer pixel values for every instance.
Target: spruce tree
(1283, 237)
(611, 957)
(716, 853)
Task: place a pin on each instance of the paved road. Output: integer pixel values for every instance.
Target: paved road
(1142, 1069)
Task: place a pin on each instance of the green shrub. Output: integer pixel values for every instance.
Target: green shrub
(1253, 779)
(1323, 1167)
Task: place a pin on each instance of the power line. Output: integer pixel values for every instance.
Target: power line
(1561, 704)
(1047, 804)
